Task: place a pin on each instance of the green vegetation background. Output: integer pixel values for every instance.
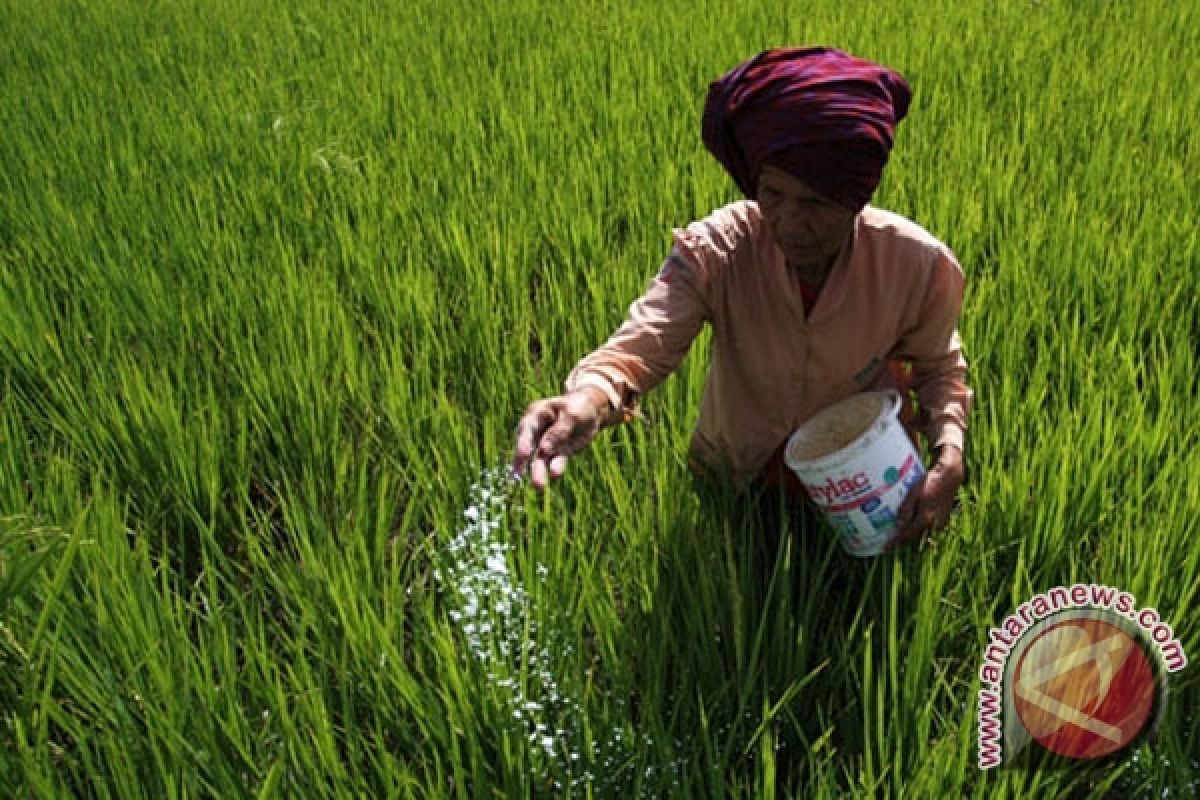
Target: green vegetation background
(277, 281)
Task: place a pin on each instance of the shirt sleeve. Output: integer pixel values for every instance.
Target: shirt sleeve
(657, 333)
(934, 348)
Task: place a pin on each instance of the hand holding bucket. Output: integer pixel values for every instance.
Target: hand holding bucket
(857, 464)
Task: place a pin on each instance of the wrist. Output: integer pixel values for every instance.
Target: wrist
(600, 403)
(949, 457)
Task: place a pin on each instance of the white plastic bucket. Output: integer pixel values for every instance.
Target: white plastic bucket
(857, 464)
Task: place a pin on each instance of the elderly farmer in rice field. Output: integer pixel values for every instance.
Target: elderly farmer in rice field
(813, 295)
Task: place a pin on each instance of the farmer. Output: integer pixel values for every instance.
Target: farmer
(813, 295)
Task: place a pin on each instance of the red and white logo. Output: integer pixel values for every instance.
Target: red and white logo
(1079, 671)
(1084, 688)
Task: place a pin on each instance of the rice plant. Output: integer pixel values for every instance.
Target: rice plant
(277, 282)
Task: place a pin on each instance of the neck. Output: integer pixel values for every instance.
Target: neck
(813, 274)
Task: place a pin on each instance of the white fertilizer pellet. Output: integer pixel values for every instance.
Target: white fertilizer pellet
(497, 621)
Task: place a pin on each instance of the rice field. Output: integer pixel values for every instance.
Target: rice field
(276, 283)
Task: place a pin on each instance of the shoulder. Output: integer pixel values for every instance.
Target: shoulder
(898, 231)
(709, 244)
(905, 240)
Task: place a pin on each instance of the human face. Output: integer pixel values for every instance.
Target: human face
(809, 228)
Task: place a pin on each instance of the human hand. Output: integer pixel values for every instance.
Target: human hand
(555, 428)
(928, 506)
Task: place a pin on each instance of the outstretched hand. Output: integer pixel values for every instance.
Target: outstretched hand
(929, 504)
(554, 429)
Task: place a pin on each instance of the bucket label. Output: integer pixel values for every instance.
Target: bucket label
(855, 491)
(839, 490)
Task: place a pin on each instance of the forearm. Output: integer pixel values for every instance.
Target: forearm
(655, 336)
(944, 399)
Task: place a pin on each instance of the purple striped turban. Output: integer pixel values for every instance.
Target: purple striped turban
(821, 115)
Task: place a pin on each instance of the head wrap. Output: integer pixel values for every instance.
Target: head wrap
(821, 115)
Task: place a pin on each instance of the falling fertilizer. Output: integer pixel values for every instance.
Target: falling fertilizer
(494, 614)
(497, 620)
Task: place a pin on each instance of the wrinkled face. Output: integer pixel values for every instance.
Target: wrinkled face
(809, 228)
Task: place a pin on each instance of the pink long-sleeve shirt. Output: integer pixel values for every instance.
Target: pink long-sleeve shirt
(893, 294)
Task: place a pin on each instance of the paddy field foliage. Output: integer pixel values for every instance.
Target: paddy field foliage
(276, 282)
